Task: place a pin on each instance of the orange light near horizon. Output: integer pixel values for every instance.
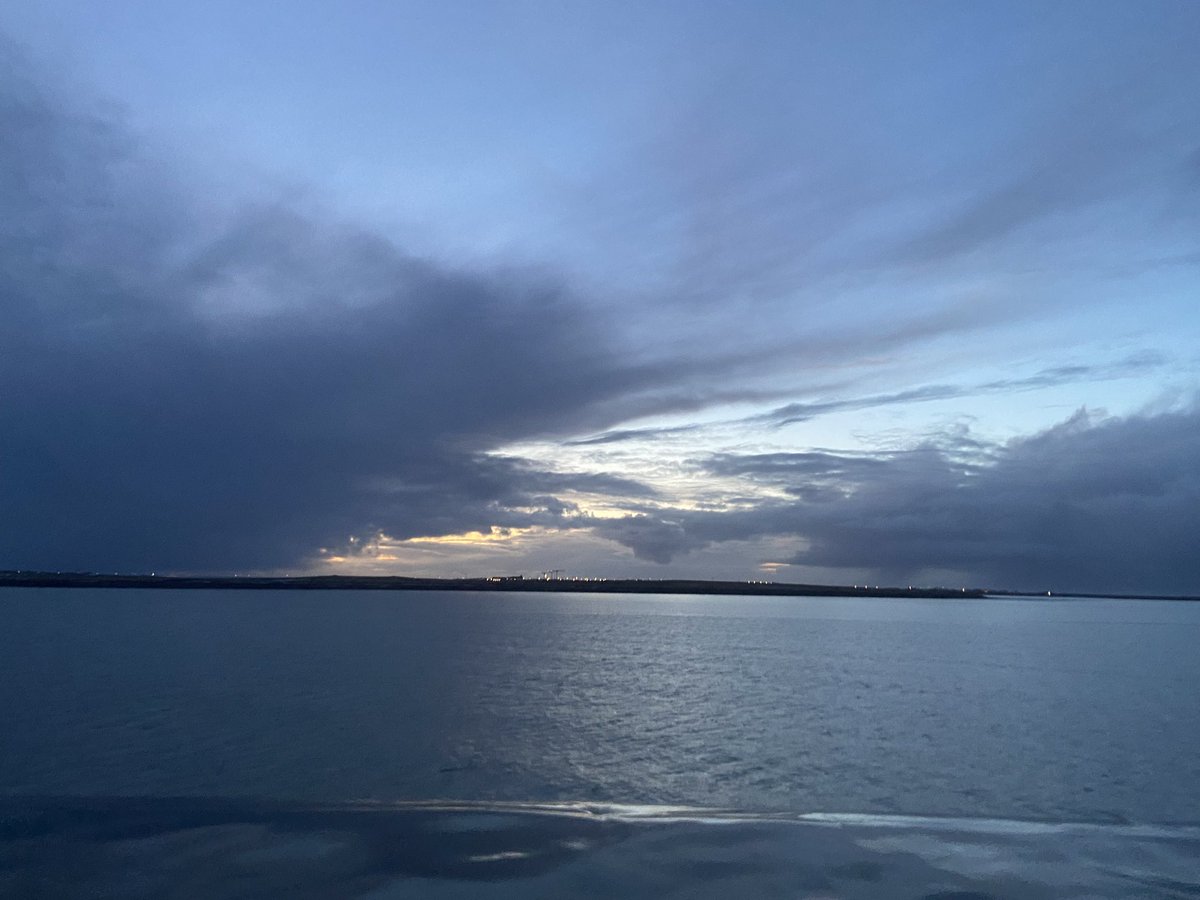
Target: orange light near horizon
(492, 536)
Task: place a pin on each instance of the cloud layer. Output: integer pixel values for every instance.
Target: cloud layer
(1112, 505)
(184, 392)
(196, 378)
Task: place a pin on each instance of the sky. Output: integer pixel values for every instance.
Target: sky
(886, 293)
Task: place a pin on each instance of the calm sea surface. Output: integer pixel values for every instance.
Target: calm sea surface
(1079, 711)
(1060, 710)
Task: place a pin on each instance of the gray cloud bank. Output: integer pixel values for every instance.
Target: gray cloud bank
(1105, 506)
(233, 392)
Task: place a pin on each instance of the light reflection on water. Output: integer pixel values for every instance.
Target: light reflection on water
(213, 848)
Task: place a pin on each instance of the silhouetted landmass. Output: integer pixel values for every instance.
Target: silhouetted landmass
(554, 585)
(1083, 595)
(401, 583)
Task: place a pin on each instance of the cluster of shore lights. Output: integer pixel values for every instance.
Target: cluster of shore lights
(554, 576)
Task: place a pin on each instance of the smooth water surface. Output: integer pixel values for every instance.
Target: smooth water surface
(1059, 710)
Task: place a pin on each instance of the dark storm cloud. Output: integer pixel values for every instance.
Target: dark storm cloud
(193, 381)
(1105, 506)
(179, 394)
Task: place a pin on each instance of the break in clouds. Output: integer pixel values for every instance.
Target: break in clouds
(196, 383)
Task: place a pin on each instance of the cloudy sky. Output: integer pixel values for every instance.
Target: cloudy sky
(839, 292)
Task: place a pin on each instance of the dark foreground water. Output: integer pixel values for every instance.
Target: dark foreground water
(200, 744)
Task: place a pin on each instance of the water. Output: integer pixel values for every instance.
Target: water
(860, 726)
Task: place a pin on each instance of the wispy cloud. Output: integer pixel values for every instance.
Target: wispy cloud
(619, 435)
(1056, 375)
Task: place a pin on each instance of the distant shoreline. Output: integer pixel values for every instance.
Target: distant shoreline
(549, 585)
(402, 583)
